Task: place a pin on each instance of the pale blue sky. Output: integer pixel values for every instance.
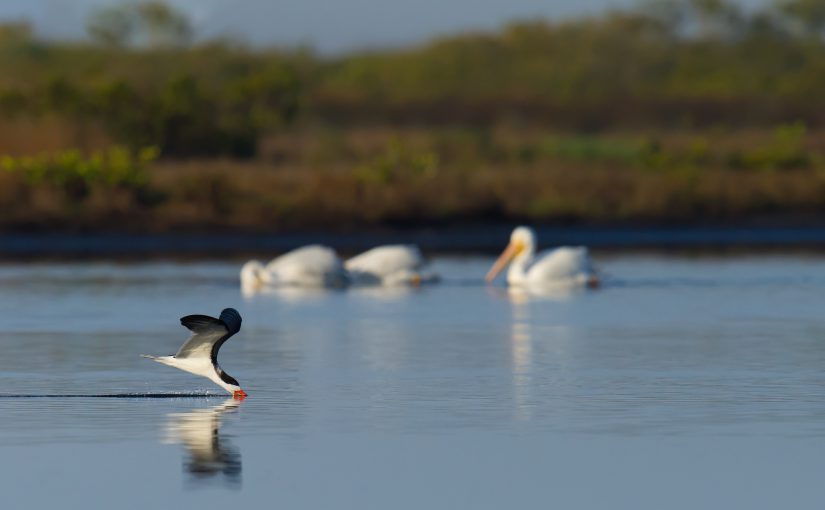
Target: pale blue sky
(328, 25)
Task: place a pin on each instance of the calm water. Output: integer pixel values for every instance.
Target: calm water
(684, 383)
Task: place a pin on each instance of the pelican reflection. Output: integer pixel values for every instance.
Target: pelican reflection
(521, 295)
(210, 454)
(384, 293)
(521, 355)
(288, 294)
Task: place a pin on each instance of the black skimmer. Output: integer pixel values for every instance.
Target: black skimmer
(199, 354)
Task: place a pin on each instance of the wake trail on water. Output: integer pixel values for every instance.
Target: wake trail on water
(115, 395)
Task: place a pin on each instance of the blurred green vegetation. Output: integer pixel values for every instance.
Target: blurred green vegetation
(114, 167)
(676, 111)
(73, 189)
(419, 176)
(669, 64)
(75, 175)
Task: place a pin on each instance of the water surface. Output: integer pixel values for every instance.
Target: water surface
(686, 382)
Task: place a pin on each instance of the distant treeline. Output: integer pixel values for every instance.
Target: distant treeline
(373, 177)
(676, 112)
(690, 64)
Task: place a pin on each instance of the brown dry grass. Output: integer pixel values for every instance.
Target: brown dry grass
(23, 136)
(371, 177)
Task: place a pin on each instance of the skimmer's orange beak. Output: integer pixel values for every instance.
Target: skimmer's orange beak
(239, 395)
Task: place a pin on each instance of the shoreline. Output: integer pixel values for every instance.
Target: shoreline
(477, 239)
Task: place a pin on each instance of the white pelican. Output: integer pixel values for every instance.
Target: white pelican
(563, 266)
(199, 354)
(309, 266)
(389, 265)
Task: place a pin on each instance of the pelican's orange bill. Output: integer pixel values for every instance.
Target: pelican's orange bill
(511, 251)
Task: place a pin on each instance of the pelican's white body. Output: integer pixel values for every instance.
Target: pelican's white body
(389, 265)
(310, 266)
(564, 266)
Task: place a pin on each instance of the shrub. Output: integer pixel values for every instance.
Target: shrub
(76, 174)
